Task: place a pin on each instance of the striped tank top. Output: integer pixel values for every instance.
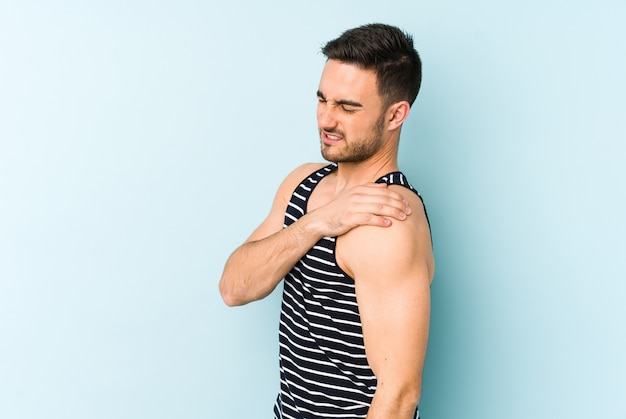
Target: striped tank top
(324, 372)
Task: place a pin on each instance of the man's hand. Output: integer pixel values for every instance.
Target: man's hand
(372, 204)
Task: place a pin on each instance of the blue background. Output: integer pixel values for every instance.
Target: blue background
(142, 141)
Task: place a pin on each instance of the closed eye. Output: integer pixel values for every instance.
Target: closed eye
(347, 106)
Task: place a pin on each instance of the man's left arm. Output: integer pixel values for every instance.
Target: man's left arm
(393, 269)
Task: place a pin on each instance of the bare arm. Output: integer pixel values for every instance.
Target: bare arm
(393, 269)
(256, 267)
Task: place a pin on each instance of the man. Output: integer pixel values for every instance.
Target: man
(351, 240)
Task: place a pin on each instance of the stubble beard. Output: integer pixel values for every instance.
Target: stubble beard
(358, 151)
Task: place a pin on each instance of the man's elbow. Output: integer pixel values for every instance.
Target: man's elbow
(409, 397)
(411, 400)
(401, 398)
(230, 298)
(237, 293)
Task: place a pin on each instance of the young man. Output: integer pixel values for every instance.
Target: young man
(351, 240)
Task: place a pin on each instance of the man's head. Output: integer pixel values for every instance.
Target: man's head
(369, 82)
(388, 52)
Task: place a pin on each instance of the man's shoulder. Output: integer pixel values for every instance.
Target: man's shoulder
(374, 240)
(369, 247)
(298, 174)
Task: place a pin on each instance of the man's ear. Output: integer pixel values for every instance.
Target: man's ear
(397, 114)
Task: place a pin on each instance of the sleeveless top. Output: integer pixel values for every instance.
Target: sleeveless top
(324, 372)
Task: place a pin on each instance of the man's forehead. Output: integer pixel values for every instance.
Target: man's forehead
(348, 80)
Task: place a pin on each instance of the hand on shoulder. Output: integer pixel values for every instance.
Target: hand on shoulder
(404, 245)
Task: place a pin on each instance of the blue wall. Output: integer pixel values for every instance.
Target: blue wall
(132, 139)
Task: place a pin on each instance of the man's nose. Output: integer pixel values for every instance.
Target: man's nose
(326, 117)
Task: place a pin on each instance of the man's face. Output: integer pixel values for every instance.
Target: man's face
(350, 115)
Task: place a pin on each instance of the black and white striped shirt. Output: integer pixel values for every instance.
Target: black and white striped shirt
(324, 372)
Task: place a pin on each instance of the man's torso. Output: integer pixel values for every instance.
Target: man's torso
(323, 365)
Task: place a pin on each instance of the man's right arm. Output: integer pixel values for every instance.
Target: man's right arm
(256, 267)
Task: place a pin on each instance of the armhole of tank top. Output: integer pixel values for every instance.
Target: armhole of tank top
(334, 255)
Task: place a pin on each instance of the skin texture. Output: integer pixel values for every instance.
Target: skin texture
(383, 236)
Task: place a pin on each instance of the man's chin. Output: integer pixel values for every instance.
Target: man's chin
(328, 155)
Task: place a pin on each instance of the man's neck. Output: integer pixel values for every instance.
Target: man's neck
(353, 174)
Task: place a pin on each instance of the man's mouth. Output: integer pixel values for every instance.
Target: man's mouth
(329, 138)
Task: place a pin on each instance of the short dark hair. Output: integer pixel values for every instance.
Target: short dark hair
(388, 51)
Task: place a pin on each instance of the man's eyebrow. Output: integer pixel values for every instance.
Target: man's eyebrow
(341, 101)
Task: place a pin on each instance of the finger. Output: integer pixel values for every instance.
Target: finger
(374, 220)
(385, 211)
(381, 205)
(380, 189)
